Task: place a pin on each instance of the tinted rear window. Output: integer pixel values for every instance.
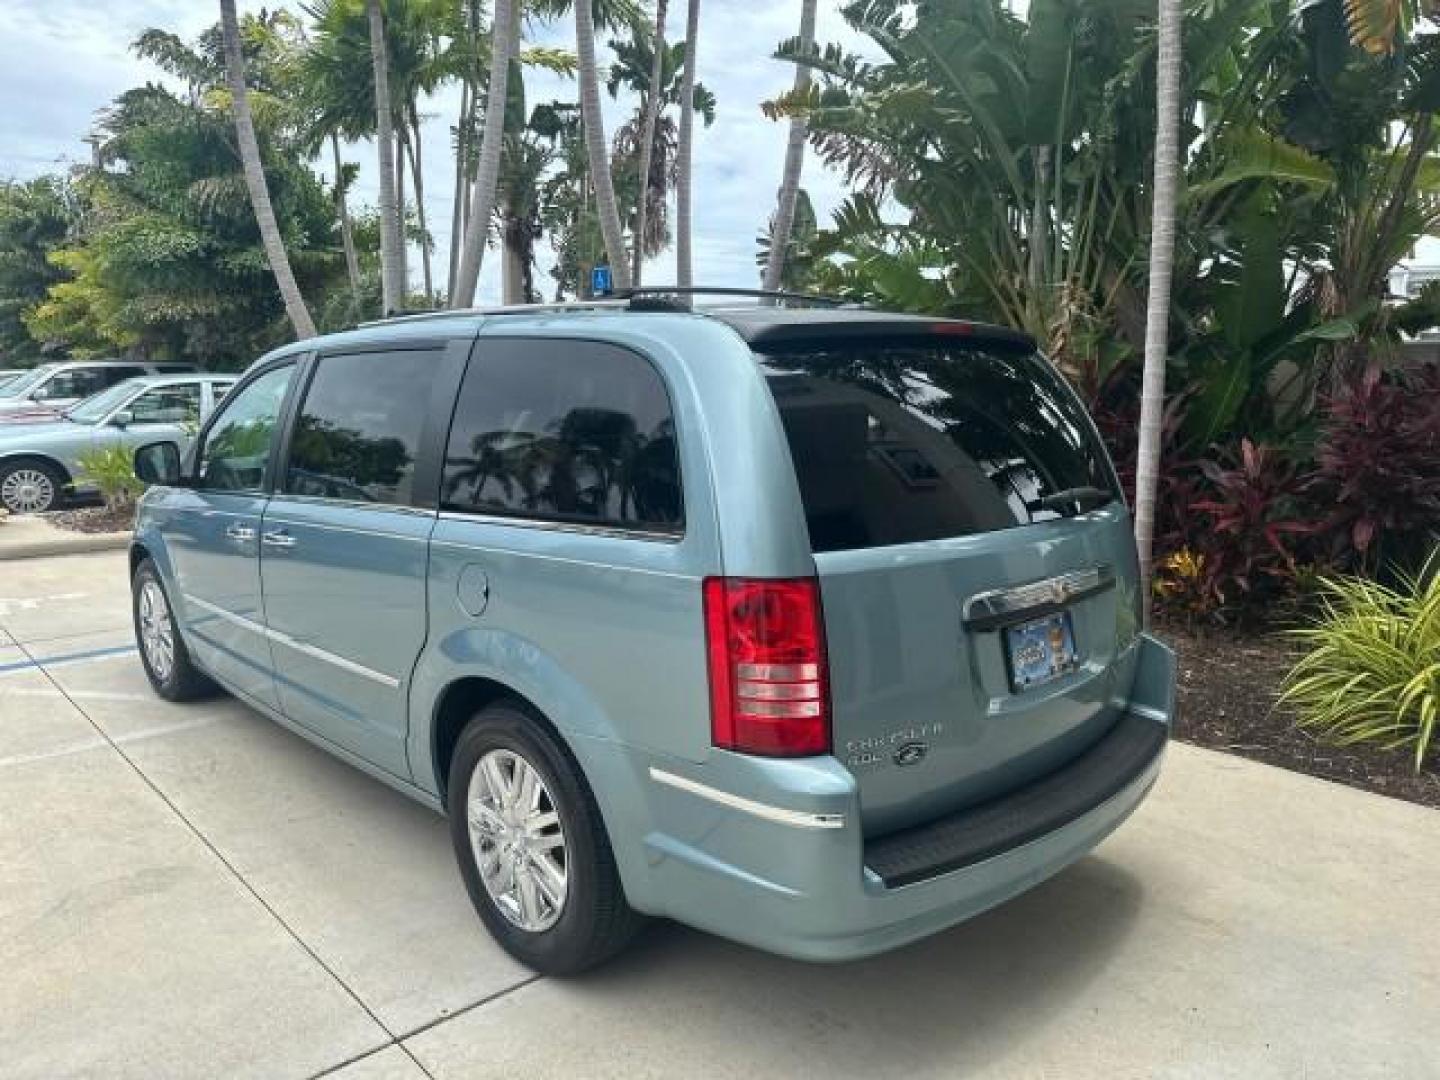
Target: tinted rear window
(567, 431)
(901, 444)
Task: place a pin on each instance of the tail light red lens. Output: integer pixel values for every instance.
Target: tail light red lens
(769, 691)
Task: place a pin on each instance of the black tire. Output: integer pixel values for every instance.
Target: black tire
(595, 922)
(183, 681)
(55, 477)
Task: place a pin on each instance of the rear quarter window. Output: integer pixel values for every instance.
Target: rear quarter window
(576, 432)
(899, 444)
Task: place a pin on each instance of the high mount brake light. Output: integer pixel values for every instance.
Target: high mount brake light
(769, 679)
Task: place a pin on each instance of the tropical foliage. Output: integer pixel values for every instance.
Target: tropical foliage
(166, 258)
(36, 220)
(1371, 670)
(1001, 167)
(154, 249)
(111, 472)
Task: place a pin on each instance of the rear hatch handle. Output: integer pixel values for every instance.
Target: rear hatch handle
(994, 608)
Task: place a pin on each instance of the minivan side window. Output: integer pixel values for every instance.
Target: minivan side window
(568, 431)
(237, 446)
(359, 429)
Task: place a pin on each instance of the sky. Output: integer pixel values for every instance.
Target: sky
(62, 60)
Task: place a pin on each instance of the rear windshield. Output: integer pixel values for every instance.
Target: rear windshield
(900, 444)
(26, 380)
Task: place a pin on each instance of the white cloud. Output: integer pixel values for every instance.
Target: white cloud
(61, 61)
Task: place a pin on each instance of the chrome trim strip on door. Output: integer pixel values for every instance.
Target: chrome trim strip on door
(354, 504)
(290, 642)
(548, 525)
(228, 616)
(1003, 607)
(799, 819)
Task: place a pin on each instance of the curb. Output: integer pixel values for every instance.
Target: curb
(34, 538)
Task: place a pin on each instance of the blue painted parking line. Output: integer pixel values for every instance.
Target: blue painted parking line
(66, 658)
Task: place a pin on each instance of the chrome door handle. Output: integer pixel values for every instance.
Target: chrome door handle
(240, 533)
(278, 539)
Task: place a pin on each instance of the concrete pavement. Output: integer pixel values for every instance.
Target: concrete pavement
(191, 891)
(30, 536)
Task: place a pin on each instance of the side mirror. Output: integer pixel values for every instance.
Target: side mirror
(158, 463)
(122, 419)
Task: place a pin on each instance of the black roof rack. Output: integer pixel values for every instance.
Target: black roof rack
(646, 298)
(654, 297)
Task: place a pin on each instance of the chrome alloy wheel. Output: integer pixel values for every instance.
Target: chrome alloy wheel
(518, 841)
(27, 491)
(157, 635)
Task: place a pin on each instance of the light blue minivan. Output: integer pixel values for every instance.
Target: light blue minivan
(812, 627)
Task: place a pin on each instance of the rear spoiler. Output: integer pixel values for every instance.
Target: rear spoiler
(775, 333)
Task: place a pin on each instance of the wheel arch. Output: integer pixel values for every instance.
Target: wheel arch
(9, 459)
(456, 706)
(462, 672)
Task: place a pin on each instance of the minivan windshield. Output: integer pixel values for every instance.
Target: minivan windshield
(26, 381)
(901, 443)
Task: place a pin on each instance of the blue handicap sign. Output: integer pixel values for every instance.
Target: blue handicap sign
(600, 283)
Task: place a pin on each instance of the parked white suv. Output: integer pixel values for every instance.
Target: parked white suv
(52, 388)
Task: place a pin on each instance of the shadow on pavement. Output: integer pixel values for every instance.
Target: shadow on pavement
(966, 996)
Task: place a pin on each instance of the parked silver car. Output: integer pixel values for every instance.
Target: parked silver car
(40, 460)
(52, 388)
(9, 375)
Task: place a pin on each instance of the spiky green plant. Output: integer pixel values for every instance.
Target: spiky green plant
(1372, 670)
(111, 471)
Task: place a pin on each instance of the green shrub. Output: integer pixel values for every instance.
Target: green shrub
(1372, 672)
(113, 472)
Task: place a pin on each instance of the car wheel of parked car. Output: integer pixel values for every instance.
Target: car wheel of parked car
(531, 845)
(30, 486)
(167, 663)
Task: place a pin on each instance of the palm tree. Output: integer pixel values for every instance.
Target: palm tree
(503, 37)
(344, 177)
(635, 67)
(794, 156)
(647, 138)
(1157, 306)
(463, 60)
(684, 270)
(605, 203)
(270, 237)
(392, 280)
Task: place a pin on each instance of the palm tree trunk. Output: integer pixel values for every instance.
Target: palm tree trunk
(392, 274)
(684, 269)
(417, 173)
(1157, 308)
(347, 232)
(487, 173)
(647, 141)
(513, 264)
(400, 215)
(270, 238)
(794, 159)
(594, 123)
(457, 213)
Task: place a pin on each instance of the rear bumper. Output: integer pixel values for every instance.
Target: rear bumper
(770, 853)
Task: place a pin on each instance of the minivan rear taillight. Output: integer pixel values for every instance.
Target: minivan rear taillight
(769, 690)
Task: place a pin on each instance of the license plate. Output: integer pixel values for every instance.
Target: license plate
(1040, 650)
